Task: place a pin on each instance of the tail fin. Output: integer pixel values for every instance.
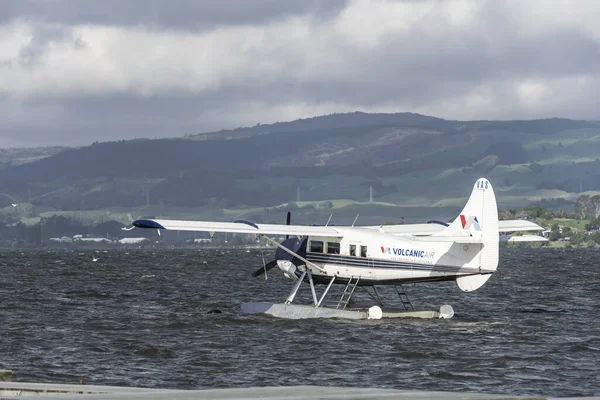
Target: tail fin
(479, 220)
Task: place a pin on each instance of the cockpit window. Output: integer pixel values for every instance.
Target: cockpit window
(316, 246)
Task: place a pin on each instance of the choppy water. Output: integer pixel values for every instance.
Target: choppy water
(139, 318)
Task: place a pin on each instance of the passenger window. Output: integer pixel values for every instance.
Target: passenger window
(316, 246)
(363, 251)
(333, 248)
(352, 249)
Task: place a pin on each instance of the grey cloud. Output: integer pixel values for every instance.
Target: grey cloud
(178, 14)
(84, 120)
(42, 36)
(81, 121)
(420, 71)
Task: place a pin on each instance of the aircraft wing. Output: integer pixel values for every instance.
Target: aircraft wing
(237, 227)
(447, 239)
(411, 229)
(516, 225)
(323, 231)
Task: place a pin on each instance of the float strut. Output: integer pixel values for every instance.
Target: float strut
(326, 290)
(290, 298)
(312, 287)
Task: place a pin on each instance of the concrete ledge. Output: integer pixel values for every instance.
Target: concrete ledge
(10, 390)
(5, 375)
(14, 390)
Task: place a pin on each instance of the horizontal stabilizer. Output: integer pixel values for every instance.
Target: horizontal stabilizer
(518, 225)
(523, 238)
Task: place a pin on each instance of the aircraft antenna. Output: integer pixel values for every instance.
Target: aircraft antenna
(355, 220)
(329, 220)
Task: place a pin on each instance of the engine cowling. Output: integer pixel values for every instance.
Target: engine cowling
(287, 262)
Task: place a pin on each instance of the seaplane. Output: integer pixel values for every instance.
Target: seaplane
(465, 250)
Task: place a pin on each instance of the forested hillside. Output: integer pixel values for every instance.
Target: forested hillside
(328, 163)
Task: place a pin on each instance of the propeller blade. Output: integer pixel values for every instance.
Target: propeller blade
(262, 270)
(287, 222)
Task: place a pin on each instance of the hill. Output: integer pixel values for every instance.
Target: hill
(14, 156)
(409, 161)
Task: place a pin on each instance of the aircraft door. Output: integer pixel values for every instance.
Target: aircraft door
(367, 263)
(363, 251)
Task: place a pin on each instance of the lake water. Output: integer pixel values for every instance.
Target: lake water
(140, 318)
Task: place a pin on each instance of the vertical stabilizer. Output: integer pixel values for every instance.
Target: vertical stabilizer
(478, 219)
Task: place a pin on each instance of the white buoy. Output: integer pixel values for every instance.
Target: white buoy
(446, 311)
(374, 312)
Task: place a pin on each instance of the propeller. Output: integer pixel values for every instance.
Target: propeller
(264, 268)
(271, 264)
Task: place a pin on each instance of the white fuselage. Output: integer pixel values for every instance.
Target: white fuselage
(382, 258)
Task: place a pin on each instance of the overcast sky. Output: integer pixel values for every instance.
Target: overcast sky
(75, 72)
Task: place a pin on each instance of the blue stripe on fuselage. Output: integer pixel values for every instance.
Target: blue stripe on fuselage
(373, 262)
